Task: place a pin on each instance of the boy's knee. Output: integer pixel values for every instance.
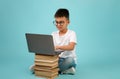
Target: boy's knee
(69, 60)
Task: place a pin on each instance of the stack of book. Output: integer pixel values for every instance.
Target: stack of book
(46, 66)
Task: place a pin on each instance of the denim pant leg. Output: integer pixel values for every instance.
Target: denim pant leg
(66, 63)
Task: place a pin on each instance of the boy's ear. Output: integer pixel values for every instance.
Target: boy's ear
(68, 21)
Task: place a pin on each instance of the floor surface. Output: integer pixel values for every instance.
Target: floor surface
(19, 69)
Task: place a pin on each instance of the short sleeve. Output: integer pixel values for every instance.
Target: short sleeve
(73, 37)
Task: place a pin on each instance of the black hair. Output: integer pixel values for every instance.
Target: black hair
(62, 13)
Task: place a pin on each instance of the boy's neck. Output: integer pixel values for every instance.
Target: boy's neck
(63, 32)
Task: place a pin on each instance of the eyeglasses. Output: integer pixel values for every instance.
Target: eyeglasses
(61, 23)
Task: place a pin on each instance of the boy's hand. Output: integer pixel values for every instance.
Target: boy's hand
(57, 47)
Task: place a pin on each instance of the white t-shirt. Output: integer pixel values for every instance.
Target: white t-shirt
(70, 36)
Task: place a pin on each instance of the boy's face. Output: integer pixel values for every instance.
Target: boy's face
(61, 23)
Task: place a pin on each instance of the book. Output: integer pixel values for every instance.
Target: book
(46, 77)
(37, 67)
(47, 73)
(46, 64)
(47, 61)
(46, 57)
(48, 70)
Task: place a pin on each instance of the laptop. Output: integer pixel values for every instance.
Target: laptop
(41, 44)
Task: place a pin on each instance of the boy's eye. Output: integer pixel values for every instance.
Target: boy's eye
(58, 22)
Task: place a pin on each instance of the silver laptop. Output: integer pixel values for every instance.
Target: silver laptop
(41, 44)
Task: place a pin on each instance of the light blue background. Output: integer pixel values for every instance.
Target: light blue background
(97, 25)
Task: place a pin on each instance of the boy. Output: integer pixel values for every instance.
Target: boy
(65, 39)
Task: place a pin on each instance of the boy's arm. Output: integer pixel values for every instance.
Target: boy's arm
(66, 47)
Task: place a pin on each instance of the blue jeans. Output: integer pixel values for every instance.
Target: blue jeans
(66, 63)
